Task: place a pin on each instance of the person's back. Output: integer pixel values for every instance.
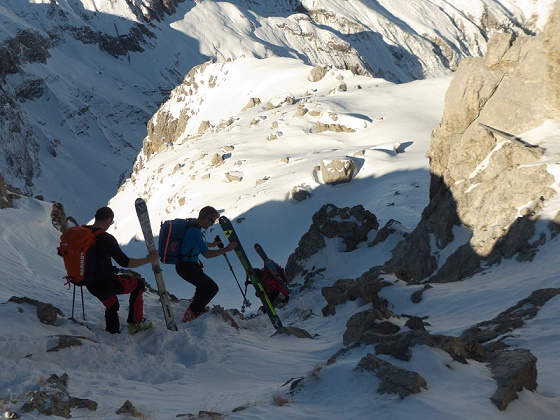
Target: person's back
(193, 243)
(103, 254)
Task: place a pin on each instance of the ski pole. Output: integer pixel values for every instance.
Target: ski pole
(245, 300)
(83, 307)
(73, 302)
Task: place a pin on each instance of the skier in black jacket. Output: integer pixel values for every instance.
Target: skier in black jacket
(109, 282)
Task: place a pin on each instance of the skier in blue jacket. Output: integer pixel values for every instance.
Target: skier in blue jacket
(190, 268)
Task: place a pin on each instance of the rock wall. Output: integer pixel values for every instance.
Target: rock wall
(494, 188)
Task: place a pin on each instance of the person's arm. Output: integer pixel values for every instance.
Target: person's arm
(137, 262)
(215, 243)
(122, 259)
(211, 253)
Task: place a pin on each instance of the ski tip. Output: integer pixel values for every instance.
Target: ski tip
(139, 200)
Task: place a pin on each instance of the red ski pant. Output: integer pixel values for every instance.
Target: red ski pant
(106, 290)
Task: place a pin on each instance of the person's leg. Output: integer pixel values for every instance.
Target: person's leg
(102, 291)
(112, 322)
(136, 287)
(206, 288)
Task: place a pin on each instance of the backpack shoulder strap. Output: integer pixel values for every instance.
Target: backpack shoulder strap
(192, 222)
(96, 232)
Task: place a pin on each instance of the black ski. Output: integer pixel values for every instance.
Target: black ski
(144, 219)
(271, 265)
(231, 235)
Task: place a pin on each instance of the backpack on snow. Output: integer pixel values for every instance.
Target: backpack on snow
(273, 279)
(77, 249)
(171, 234)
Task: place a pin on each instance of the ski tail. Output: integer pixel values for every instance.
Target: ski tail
(261, 252)
(276, 271)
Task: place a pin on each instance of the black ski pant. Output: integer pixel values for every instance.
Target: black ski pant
(106, 290)
(206, 288)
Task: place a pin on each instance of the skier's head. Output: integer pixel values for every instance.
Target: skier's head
(104, 217)
(208, 216)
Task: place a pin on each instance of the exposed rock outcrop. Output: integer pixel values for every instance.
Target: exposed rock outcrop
(494, 187)
(318, 72)
(165, 127)
(128, 409)
(154, 9)
(52, 399)
(394, 380)
(513, 369)
(46, 312)
(338, 171)
(352, 225)
(5, 196)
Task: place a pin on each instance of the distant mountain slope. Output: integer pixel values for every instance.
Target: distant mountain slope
(80, 79)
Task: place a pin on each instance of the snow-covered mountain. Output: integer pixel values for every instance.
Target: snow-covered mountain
(80, 79)
(212, 368)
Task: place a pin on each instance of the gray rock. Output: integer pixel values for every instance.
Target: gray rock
(43, 309)
(510, 319)
(390, 228)
(339, 171)
(394, 380)
(357, 324)
(5, 197)
(204, 125)
(58, 216)
(295, 331)
(253, 102)
(128, 409)
(225, 315)
(318, 72)
(52, 399)
(234, 177)
(513, 371)
(367, 321)
(366, 287)
(300, 193)
(415, 323)
(47, 314)
(66, 341)
(217, 159)
(321, 127)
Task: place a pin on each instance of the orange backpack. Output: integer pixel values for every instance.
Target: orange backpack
(77, 248)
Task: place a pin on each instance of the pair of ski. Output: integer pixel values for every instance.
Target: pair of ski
(229, 231)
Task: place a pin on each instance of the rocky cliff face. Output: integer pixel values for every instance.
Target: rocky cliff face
(155, 9)
(53, 100)
(494, 187)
